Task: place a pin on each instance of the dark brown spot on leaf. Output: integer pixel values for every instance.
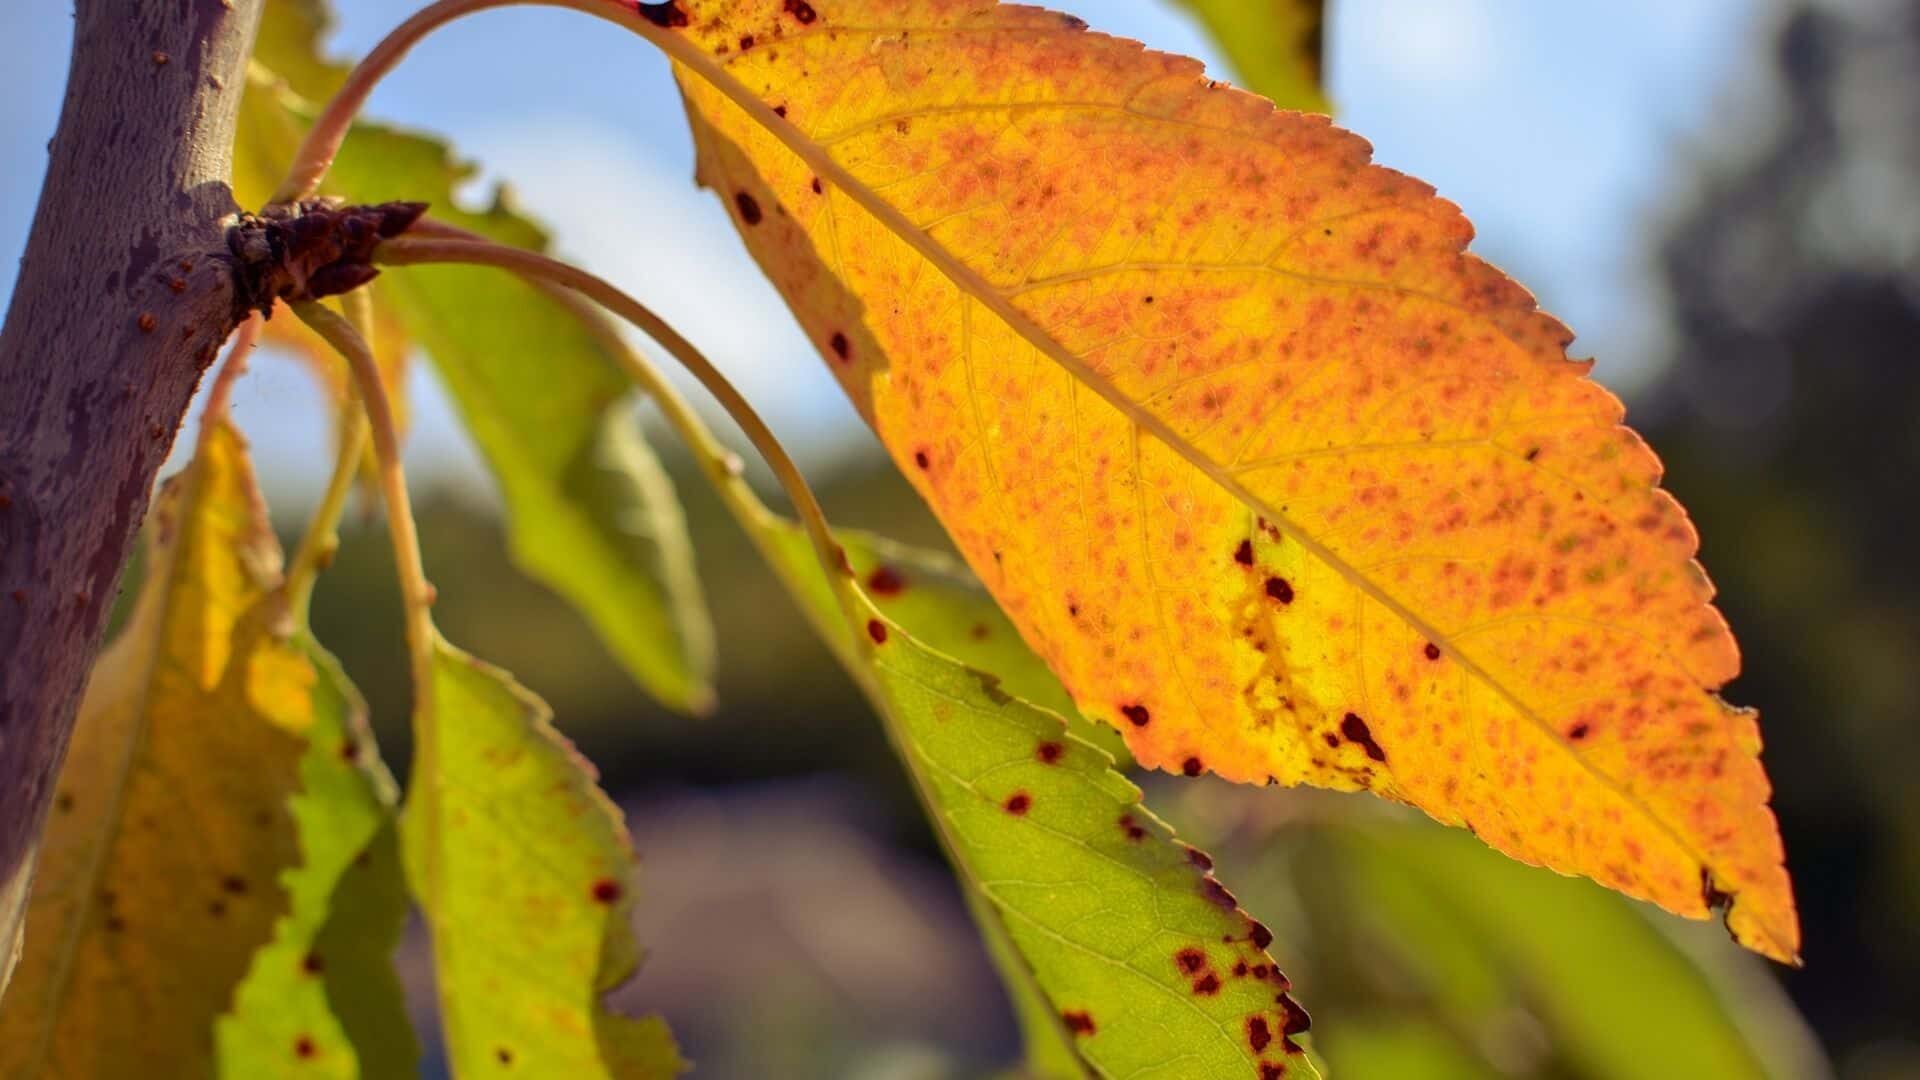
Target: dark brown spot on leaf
(1356, 731)
(312, 964)
(1136, 714)
(500, 1053)
(1211, 888)
(841, 347)
(606, 891)
(801, 11)
(877, 630)
(1260, 936)
(886, 581)
(1079, 1022)
(1049, 752)
(921, 459)
(234, 884)
(1207, 985)
(1132, 828)
(1244, 553)
(1190, 960)
(1192, 766)
(303, 1047)
(1018, 803)
(667, 16)
(1278, 589)
(1199, 858)
(1259, 1036)
(749, 208)
(1294, 1019)
(1433, 651)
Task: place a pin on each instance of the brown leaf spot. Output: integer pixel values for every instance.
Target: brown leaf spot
(1259, 1036)
(500, 1053)
(1018, 803)
(1190, 960)
(1211, 888)
(1244, 553)
(1207, 985)
(1278, 589)
(1294, 1019)
(1132, 828)
(304, 1047)
(877, 630)
(312, 964)
(1272, 1071)
(841, 347)
(1199, 858)
(921, 459)
(1192, 767)
(1433, 651)
(1356, 731)
(1136, 714)
(1260, 936)
(746, 42)
(801, 11)
(667, 16)
(1079, 1022)
(1579, 731)
(606, 891)
(749, 208)
(886, 581)
(1049, 752)
(234, 884)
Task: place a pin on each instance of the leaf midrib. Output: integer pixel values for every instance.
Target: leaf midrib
(684, 53)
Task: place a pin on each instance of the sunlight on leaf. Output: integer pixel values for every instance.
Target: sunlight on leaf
(172, 843)
(1277, 47)
(1280, 482)
(590, 514)
(1144, 959)
(525, 872)
(324, 990)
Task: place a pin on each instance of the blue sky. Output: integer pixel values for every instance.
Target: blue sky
(1561, 128)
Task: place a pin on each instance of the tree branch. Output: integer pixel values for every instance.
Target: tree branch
(123, 299)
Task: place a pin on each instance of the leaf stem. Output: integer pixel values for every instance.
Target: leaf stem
(416, 249)
(416, 592)
(323, 140)
(322, 538)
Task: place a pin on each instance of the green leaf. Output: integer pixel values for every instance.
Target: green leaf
(1276, 46)
(192, 821)
(591, 512)
(1481, 962)
(525, 872)
(323, 993)
(1144, 960)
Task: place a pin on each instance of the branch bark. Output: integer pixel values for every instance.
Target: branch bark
(123, 299)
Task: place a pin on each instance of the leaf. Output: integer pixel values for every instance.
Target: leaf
(1143, 958)
(1277, 46)
(1476, 948)
(591, 512)
(323, 993)
(525, 872)
(1278, 480)
(161, 869)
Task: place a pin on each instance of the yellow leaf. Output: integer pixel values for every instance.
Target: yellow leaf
(159, 873)
(1278, 479)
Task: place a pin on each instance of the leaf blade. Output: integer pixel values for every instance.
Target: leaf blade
(1124, 327)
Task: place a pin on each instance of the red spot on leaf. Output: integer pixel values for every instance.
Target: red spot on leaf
(312, 964)
(886, 581)
(1018, 803)
(1079, 1022)
(1132, 828)
(1579, 731)
(1279, 590)
(1244, 553)
(1136, 714)
(1207, 985)
(1192, 766)
(1356, 731)
(1433, 651)
(921, 459)
(1259, 1036)
(750, 211)
(304, 1048)
(1211, 888)
(1294, 1019)
(1260, 936)
(841, 347)
(1190, 960)
(877, 630)
(1049, 752)
(606, 891)
(801, 11)
(1199, 858)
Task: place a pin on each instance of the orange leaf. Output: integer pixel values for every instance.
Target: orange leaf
(1280, 481)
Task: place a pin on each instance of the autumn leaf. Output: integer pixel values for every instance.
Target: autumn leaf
(1280, 481)
(204, 782)
(591, 512)
(525, 872)
(1277, 46)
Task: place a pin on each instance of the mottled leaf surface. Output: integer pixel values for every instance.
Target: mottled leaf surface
(525, 872)
(192, 802)
(1277, 47)
(1280, 481)
(1143, 962)
(322, 996)
(591, 512)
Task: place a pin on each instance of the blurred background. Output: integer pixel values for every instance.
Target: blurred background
(1721, 196)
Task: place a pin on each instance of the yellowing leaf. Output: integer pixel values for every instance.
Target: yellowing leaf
(1117, 937)
(161, 871)
(590, 511)
(525, 872)
(1278, 479)
(322, 995)
(1277, 46)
